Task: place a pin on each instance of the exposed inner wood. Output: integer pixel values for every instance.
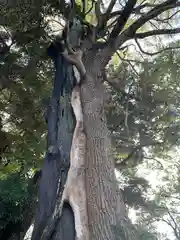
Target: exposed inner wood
(74, 191)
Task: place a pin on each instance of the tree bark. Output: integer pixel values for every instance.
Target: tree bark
(65, 199)
(106, 208)
(51, 220)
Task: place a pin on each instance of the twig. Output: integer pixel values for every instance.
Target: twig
(158, 52)
(137, 148)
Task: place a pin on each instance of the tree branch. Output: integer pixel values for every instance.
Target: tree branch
(121, 21)
(90, 9)
(175, 228)
(115, 41)
(103, 17)
(165, 20)
(157, 32)
(115, 84)
(98, 11)
(169, 4)
(135, 149)
(154, 53)
(145, 6)
(169, 224)
(109, 9)
(156, 160)
(84, 7)
(136, 10)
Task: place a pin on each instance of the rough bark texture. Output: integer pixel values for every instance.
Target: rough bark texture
(55, 169)
(106, 210)
(100, 177)
(105, 207)
(107, 214)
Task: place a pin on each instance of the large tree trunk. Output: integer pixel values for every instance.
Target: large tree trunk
(87, 203)
(106, 209)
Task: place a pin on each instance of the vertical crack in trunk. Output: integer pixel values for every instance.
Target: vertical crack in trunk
(90, 194)
(74, 191)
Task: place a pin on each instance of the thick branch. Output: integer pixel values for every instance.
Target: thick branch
(98, 11)
(136, 10)
(150, 15)
(140, 7)
(105, 16)
(130, 32)
(122, 19)
(157, 32)
(110, 7)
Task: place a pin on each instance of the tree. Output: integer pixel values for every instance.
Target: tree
(155, 198)
(18, 203)
(102, 200)
(143, 115)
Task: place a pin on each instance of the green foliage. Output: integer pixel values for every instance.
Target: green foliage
(15, 194)
(143, 116)
(26, 79)
(145, 112)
